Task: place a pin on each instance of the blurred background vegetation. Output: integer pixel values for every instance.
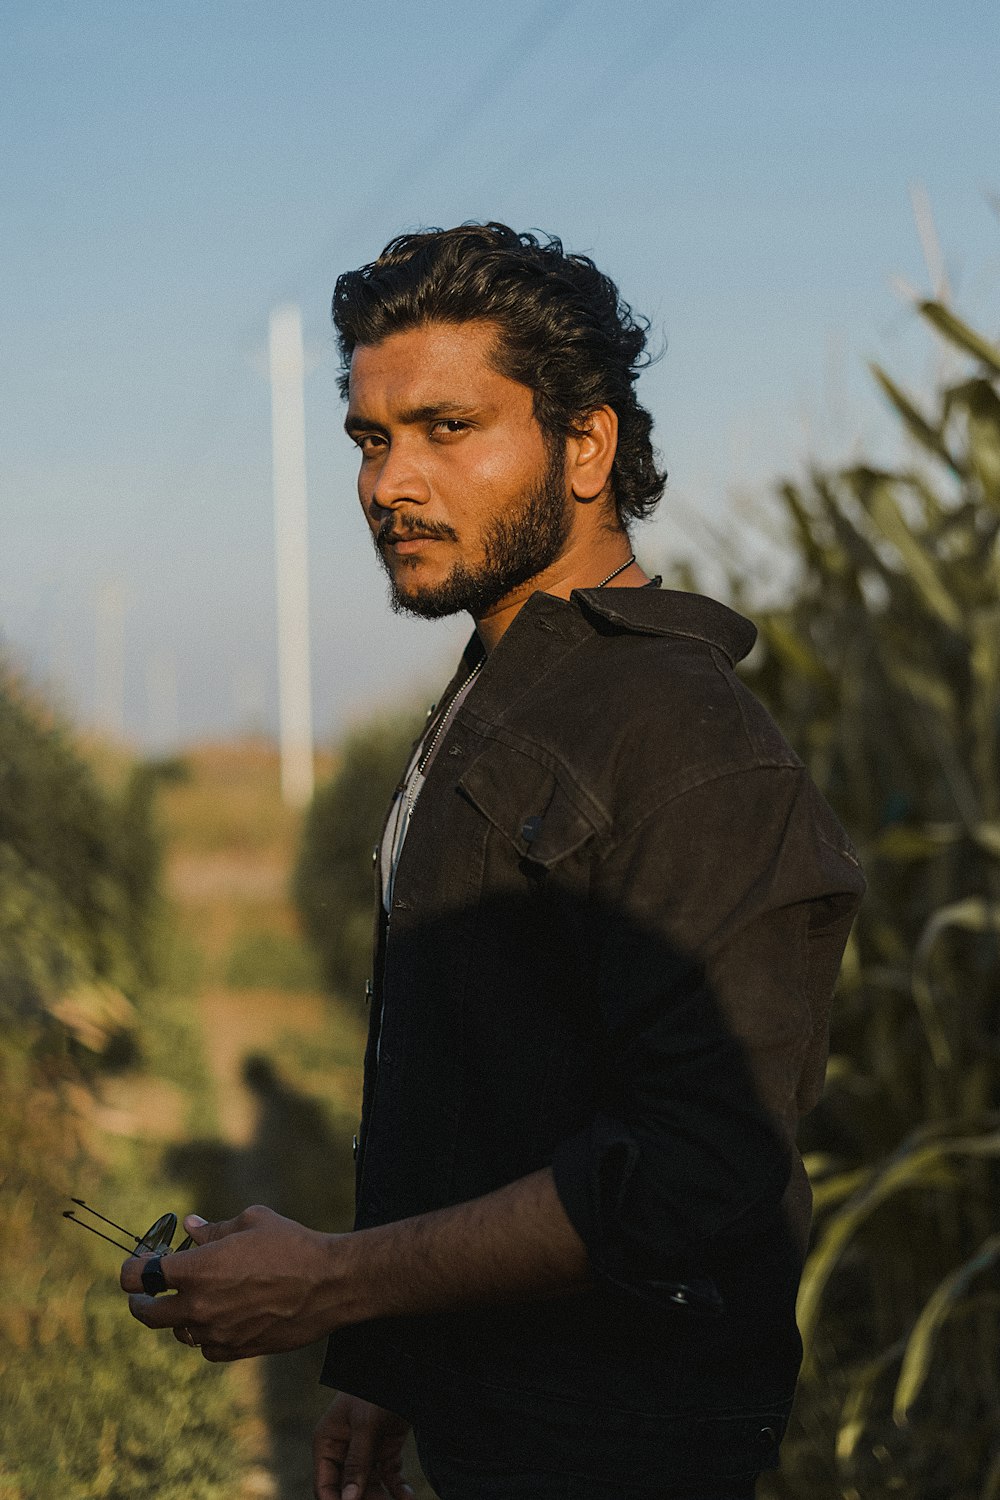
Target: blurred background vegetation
(170, 1040)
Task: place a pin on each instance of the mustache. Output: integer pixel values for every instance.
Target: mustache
(399, 529)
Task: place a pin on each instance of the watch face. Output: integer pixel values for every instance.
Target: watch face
(158, 1236)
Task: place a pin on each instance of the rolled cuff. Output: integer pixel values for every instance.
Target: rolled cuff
(592, 1171)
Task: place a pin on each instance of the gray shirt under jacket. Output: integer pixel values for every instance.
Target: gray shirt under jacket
(615, 928)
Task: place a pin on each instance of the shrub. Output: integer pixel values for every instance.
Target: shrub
(91, 1407)
(79, 892)
(333, 885)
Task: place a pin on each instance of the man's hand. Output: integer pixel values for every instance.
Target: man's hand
(256, 1284)
(259, 1283)
(357, 1453)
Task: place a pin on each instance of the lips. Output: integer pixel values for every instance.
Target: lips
(406, 546)
(403, 539)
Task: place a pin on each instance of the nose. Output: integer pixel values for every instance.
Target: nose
(398, 480)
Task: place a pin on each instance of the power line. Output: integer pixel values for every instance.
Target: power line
(489, 84)
(609, 83)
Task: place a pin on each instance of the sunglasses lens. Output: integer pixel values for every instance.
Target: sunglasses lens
(158, 1236)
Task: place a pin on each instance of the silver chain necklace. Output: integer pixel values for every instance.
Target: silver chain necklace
(443, 722)
(627, 564)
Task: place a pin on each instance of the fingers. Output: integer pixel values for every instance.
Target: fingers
(357, 1462)
(177, 1268)
(330, 1441)
(130, 1276)
(357, 1451)
(344, 1463)
(160, 1312)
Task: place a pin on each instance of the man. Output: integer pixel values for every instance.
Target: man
(612, 911)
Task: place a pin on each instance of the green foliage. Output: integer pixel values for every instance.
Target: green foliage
(92, 1406)
(884, 670)
(333, 882)
(79, 879)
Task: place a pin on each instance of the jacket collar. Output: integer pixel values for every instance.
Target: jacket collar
(546, 628)
(652, 611)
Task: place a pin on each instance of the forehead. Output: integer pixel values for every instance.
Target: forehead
(435, 363)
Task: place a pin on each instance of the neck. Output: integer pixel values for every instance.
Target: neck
(587, 569)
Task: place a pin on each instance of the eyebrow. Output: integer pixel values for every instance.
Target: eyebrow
(411, 416)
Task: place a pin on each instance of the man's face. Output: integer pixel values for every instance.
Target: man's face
(465, 498)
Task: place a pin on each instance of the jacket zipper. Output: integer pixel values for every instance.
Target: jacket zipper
(411, 798)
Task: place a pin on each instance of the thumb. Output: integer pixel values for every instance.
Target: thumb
(357, 1462)
(202, 1232)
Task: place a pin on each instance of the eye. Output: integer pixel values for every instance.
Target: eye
(449, 426)
(368, 442)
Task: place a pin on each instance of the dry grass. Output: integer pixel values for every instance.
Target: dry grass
(231, 843)
(230, 803)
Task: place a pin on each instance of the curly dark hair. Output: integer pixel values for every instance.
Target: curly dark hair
(564, 330)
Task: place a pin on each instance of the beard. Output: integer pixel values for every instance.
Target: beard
(517, 545)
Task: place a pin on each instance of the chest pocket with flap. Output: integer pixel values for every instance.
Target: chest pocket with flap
(528, 803)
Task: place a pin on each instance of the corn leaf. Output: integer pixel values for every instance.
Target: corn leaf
(987, 836)
(915, 422)
(818, 555)
(974, 914)
(833, 1190)
(854, 1414)
(902, 841)
(960, 334)
(935, 1313)
(924, 1166)
(875, 491)
(981, 405)
(934, 692)
(792, 649)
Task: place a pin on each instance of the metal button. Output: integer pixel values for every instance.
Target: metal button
(375, 855)
(355, 1148)
(368, 992)
(680, 1298)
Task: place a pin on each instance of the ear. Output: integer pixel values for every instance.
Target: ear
(591, 453)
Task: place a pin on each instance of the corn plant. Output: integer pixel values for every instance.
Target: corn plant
(884, 670)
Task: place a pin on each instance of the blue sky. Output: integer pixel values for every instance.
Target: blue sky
(170, 172)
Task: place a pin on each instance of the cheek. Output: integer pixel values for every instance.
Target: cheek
(492, 478)
(508, 469)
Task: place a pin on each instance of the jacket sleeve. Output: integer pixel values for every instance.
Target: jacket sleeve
(726, 912)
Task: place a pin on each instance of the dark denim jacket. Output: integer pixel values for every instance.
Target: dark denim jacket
(617, 922)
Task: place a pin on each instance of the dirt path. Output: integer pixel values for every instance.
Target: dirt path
(230, 849)
(236, 1023)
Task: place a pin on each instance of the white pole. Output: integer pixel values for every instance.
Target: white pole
(288, 441)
